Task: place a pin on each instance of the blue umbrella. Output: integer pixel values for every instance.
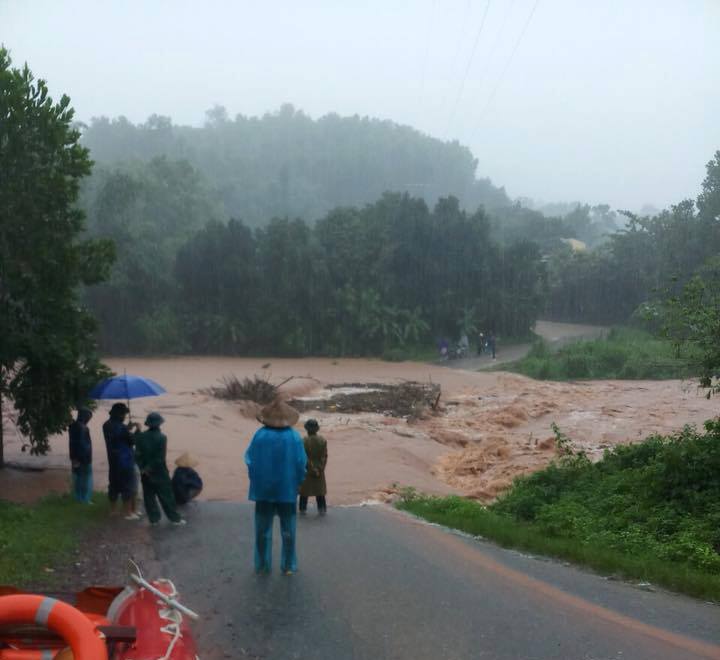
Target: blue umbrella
(126, 387)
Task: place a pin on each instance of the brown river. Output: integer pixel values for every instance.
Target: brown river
(489, 426)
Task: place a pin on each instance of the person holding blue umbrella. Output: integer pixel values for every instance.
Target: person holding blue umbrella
(119, 443)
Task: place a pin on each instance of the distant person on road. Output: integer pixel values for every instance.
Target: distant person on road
(119, 443)
(186, 482)
(317, 455)
(81, 456)
(481, 344)
(443, 347)
(464, 345)
(276, 463)
(150, 454)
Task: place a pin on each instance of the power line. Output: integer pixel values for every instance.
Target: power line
(458, 48)
(426, 54)
(501, 31)
(509, 61)
(469, 62)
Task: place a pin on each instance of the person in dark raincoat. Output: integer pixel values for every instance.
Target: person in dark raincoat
(81, 456)
(150, 454)
(276, 464)
(317, 455)
(186, 482)
(121, 461)
(492, 343)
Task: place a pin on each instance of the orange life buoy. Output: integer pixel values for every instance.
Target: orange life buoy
(71, 624)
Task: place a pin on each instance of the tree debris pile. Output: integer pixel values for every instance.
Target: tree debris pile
(257, 389)
(407, 400)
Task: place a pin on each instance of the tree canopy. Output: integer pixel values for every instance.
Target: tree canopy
(285, 164)
(652, 257)
(47, 353)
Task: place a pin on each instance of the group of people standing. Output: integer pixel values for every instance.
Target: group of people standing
(130, 452)
(283, 468)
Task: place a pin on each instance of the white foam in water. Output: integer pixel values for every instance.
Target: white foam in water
(329, 394)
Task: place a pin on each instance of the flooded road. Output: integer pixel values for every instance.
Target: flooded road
(489, 426)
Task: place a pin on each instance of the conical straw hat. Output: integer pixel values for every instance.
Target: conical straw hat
(185, 460)
(278, 415)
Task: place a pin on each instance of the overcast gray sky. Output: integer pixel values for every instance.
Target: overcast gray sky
(610, 100)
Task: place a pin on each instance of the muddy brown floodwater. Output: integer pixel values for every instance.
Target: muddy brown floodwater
(489, 427)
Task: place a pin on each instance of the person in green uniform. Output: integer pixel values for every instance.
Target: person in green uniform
(317, 455)
(150, 452)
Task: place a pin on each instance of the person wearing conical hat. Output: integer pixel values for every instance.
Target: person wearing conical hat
(150, 455)
(186, 482)
(276, 463)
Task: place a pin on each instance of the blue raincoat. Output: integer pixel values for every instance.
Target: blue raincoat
(276, 463)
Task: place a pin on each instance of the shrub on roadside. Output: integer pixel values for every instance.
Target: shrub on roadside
(649, 510)
(625, 353)
(661, 494)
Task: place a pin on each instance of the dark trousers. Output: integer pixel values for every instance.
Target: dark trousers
(158, 487)
(265, 513)
(321, 503)
(121, 483)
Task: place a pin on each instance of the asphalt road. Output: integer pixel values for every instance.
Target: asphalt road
(554, 333)
(376, 584)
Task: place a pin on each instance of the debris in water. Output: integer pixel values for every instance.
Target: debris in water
(408, 400)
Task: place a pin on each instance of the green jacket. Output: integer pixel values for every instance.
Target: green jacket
(316, 450)
(150, 452)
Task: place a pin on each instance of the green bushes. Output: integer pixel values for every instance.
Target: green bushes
(660, 496)
(625, 353)
(650, 510)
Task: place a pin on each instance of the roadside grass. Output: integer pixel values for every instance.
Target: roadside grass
(625, 353)
(648, 511)
(41, 536)
(473, 518)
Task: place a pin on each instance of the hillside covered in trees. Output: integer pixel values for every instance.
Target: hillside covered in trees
(285, 164)
(367, 235)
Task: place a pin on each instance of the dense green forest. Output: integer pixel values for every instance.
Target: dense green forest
(651, 259)
(365, 280)
(213, 223)
(367, 235)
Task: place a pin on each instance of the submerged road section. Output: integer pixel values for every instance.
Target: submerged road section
(376, 584)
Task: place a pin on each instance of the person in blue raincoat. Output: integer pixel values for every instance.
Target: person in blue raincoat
(276, 463)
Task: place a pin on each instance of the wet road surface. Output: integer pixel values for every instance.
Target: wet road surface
(377, 584)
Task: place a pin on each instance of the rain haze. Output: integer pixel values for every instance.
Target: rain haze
(360, 265)
(610, 102)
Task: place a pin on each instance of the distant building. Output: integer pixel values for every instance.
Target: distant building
(575, 244)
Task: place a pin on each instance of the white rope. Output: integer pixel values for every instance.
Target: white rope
(174, 618)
